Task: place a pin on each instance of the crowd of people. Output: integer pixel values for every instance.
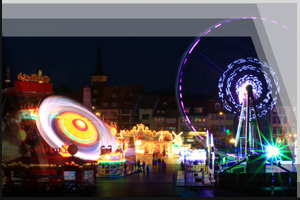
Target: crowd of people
(159, 163)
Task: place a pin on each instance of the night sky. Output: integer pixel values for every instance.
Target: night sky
(69, 61)
(150, 61)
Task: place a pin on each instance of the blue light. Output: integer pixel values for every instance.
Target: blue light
(249, 71)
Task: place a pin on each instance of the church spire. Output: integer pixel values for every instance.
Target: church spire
(99, 70)
(98, 74)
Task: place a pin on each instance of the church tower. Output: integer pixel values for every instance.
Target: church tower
(99, 75)
(99, 79)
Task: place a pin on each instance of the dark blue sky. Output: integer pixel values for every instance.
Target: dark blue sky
(70, 61)
(150, 61)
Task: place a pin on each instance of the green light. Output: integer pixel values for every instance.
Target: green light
(110, 161)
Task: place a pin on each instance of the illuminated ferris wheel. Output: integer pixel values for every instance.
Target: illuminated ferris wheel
(248, 87)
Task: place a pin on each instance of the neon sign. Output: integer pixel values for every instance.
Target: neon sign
(29, 114)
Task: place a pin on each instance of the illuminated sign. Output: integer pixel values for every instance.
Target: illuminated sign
(189, 140)
(28, 114)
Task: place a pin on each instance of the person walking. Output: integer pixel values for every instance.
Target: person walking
(139, 165)
(144, 165)
(163, 164)
(148, 170)
(159, 164)
(125, 166)
(153, 163)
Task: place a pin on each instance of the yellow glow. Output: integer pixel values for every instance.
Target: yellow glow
(140, 150)
(232, 140)
(22, 135)
(113, 131)
(220, 113)
(107, 157)
(138, 142)
(64, 151)
(85, 137)
(80, 123)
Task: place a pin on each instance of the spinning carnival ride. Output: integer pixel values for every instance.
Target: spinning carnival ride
(61, 120)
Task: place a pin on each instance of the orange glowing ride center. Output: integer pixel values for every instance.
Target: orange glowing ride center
(77, 128)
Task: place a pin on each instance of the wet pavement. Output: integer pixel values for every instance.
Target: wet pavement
(158, 184)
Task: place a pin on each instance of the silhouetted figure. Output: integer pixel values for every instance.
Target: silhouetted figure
(125, 167)
(139, 165)
(144, 165)
(148, 170)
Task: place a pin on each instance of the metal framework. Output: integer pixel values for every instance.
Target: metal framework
(246, 117)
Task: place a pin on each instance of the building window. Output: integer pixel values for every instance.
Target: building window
(113, 114)
(284, 120)
(95, 91)
(279, 110)
(145, 116)
(104, 114)
(274, 110)
(114, 104)
(162, 111)
(198, 110)
(105, 104)
(284, 130)
(204, 120)
(217, 106)
(274, 120)
(187, 110)
(170, 120)
(158, 111)
(274, 130)
(164, 103)
(114, 95)
(94, 100)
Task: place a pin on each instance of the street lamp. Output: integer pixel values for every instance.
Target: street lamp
(220, 114)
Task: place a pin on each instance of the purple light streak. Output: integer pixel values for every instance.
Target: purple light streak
(207, 32)
(218, 25)
(285, 27)
(185, 61)
(194, 46)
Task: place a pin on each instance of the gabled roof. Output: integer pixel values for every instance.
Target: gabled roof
(124, 96)
(149, 101)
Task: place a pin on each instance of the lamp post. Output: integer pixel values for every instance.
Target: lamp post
(220, 114)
